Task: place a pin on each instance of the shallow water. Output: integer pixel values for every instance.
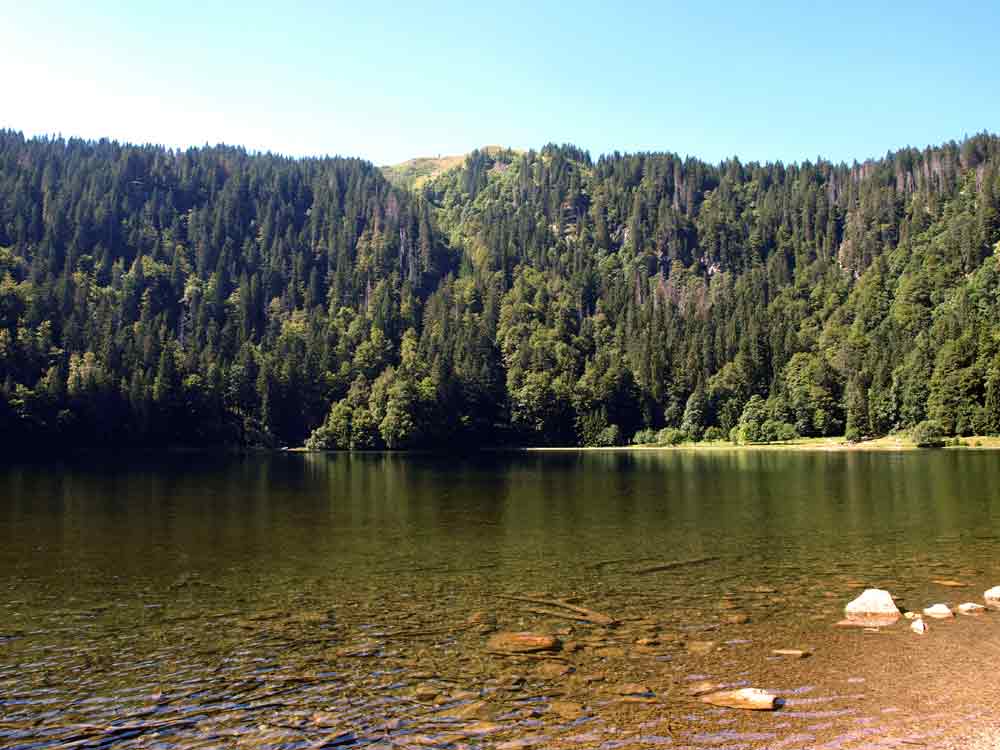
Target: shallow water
(306, 601)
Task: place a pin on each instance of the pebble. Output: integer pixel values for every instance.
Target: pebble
(522, 643)
(701, 647)
(736, 618)
(633, 688)
(795, 653)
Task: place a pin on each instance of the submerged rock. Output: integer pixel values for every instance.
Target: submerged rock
(568, 710)
(522, 643)
(795, 653)
(552, 670)
(426, 692)
(702, 687)
(473, 710)
(971, 608)
(874, 608)
(736, 618)
(634, 688)
(701, 647)
(751, 699)
(939, 611)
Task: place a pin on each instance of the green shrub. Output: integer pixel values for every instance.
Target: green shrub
(713, 434)
(645, 436)
(928, 434)
(775, 431)
(671, 436)
(606, 437)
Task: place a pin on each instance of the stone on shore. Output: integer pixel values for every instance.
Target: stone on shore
(971, 608)
(918, 626)
(751, 699)
(939, 611)
(522, 643)
(992, 597)
(874, 608)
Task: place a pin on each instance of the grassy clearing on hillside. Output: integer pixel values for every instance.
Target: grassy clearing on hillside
(414, 173)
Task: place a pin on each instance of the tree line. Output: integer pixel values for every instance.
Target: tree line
(209, 297)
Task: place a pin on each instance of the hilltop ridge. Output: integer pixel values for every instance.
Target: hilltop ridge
(416, 172)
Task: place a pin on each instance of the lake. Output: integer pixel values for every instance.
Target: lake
(311, 600)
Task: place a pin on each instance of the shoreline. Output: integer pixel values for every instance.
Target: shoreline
(827, 444)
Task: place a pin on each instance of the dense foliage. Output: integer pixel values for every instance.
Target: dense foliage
(151, 298)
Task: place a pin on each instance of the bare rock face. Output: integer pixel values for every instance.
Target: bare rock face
(750, 699)
(992, 597)
(522, 643)
(971, 608)
(874, 608)
(938, 611)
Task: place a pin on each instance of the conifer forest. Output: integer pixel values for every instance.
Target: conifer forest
(214, 298)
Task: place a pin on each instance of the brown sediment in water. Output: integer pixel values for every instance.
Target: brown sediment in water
(418, 672)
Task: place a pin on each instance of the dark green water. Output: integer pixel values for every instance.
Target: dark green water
(280, 601)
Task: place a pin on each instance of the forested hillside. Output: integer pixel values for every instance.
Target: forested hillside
(210, 297)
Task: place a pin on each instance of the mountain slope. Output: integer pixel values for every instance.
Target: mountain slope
(206, 297)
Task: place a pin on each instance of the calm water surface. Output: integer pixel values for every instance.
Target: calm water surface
(307, 601)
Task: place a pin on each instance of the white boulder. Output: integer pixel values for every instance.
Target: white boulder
(939, 611)
(992, 597)
(971, 608)
(919, 627)
(874, 607)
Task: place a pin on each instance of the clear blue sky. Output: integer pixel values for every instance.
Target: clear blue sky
(764, 81)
